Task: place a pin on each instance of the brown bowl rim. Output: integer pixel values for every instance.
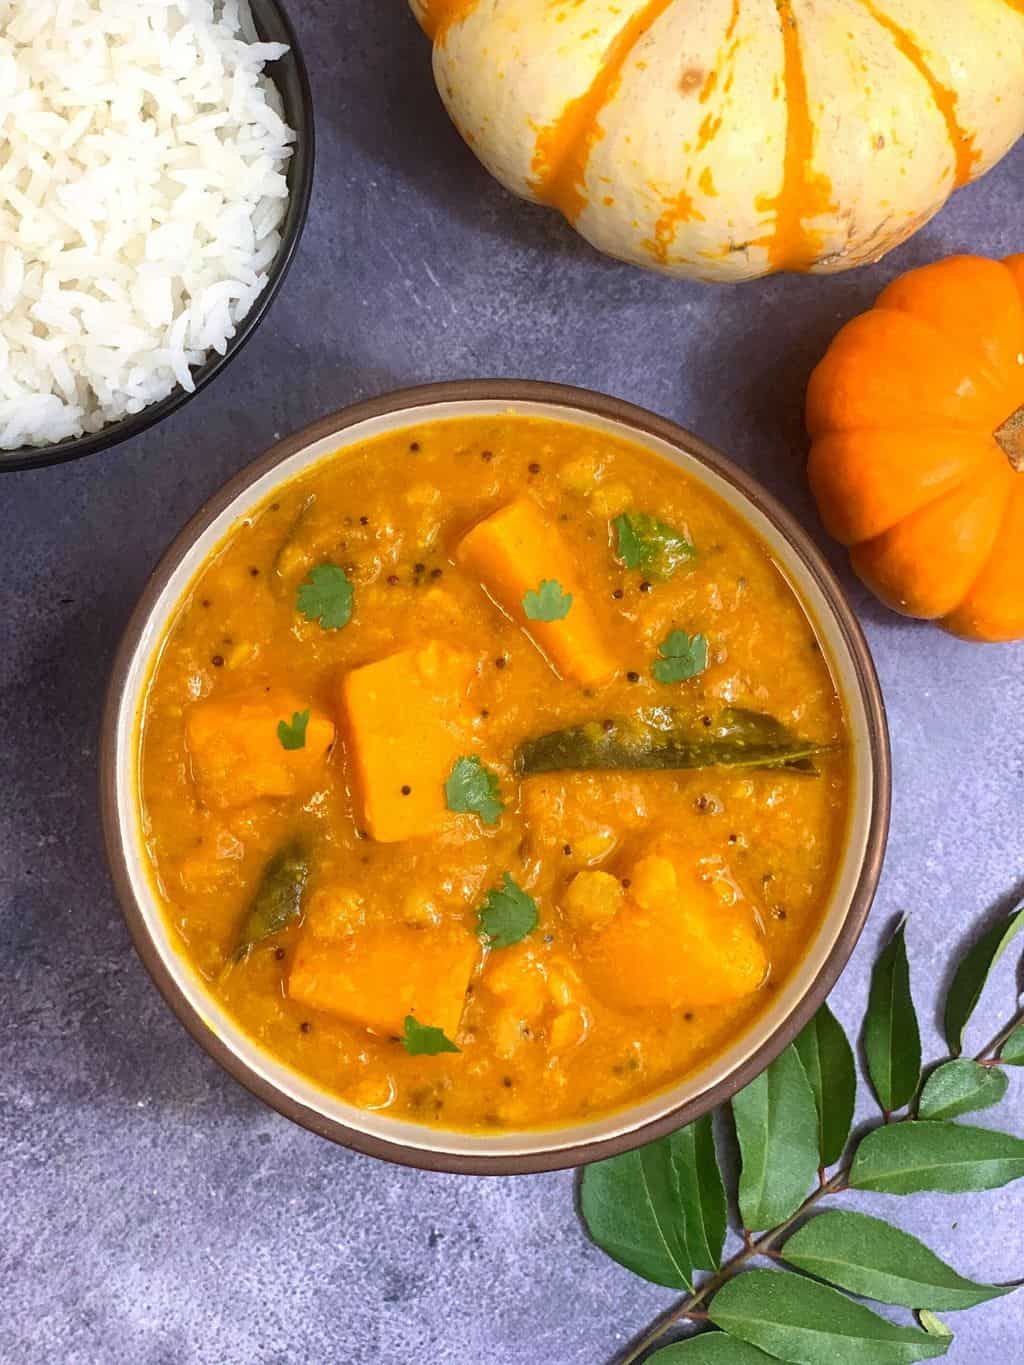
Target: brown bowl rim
(803, 548)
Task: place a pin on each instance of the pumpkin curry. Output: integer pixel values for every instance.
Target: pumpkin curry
(492, 774)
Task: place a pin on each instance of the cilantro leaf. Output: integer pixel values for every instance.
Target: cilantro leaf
(423, 1040)
(293, 736)
(473, 789)
(326, 596)
(682, 657)
(644, 542)
(507, 915)
(547, 602)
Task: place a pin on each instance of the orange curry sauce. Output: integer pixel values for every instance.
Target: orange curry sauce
(652, 912)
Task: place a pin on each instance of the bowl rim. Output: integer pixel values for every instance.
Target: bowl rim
(865, 682)
(299, 199)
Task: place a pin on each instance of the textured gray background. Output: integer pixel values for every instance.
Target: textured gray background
(150, 1210)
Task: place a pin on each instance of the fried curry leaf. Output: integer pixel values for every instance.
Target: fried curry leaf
(643, 542)
(423, 1040)
(278, 899)
(658, 739)
(293, 736)
(326, 596)
(682, 657)
(473, 789)
(507, 914)
(547, 602)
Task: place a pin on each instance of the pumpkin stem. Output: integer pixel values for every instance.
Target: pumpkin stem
(1011, 437)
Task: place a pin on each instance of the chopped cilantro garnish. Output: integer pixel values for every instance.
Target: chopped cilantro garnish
(473, 789)
(644, 542)
(548, 602)
(326, 596)
(293, 736)
(507, 915)
(682, 657)
(423, 1040)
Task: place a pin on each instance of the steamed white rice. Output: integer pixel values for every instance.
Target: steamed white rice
(142, 188)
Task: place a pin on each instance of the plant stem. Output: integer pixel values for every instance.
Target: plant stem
(991, 1051)
(764, 1245)
(760, 1247)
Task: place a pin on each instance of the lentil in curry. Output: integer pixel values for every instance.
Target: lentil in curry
(492, 774)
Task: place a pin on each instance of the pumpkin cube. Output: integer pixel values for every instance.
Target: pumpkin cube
(377, 975)
(513, 552)
(405, 727)
(676, 942)
(237, 755)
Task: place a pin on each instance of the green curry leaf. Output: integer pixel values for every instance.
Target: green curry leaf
(797, 1320)
(874, 1260)
(682, 657)
(547, 602)
(507, 914)
(326, 596)
(911, 1157)
(632, 1209)
(892, 1040)
(1012, 1051)
(832, 1074)
(961, 1087)
(473, 788)
(423, 1040)
(972, 974)
(293, 736)
(777, 1129)
(710, 1348)
(643, 542)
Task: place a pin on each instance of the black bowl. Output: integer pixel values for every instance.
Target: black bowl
(292, 81)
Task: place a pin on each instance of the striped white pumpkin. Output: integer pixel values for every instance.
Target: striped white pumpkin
(725, 139)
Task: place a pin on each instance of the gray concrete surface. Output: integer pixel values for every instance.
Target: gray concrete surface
(151, 1212)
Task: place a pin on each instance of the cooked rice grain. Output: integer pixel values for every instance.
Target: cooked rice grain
(142, 189)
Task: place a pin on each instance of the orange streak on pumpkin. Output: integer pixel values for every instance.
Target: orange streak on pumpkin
(804, 193)
(439, 15)
(678, 211)
(682, 209)
(964, 151)
(563, 148)
(1018, 5)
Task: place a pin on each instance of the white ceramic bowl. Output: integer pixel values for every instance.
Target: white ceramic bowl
(533, 1150)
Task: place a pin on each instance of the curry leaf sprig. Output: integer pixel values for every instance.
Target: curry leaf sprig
(661, 1210)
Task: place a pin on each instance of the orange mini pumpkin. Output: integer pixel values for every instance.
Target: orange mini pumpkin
(917, 419)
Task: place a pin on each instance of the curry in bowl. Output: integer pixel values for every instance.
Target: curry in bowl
(492, 774)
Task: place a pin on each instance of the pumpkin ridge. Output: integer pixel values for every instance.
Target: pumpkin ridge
(682, 208)
(965, 152)
(983, 570)
(563, 148)
(803, 193)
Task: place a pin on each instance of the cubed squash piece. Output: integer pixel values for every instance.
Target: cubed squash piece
(404, 720)
(512, 552)
(674, 943)
(379, 974)
(236, 753)
(593, 899)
